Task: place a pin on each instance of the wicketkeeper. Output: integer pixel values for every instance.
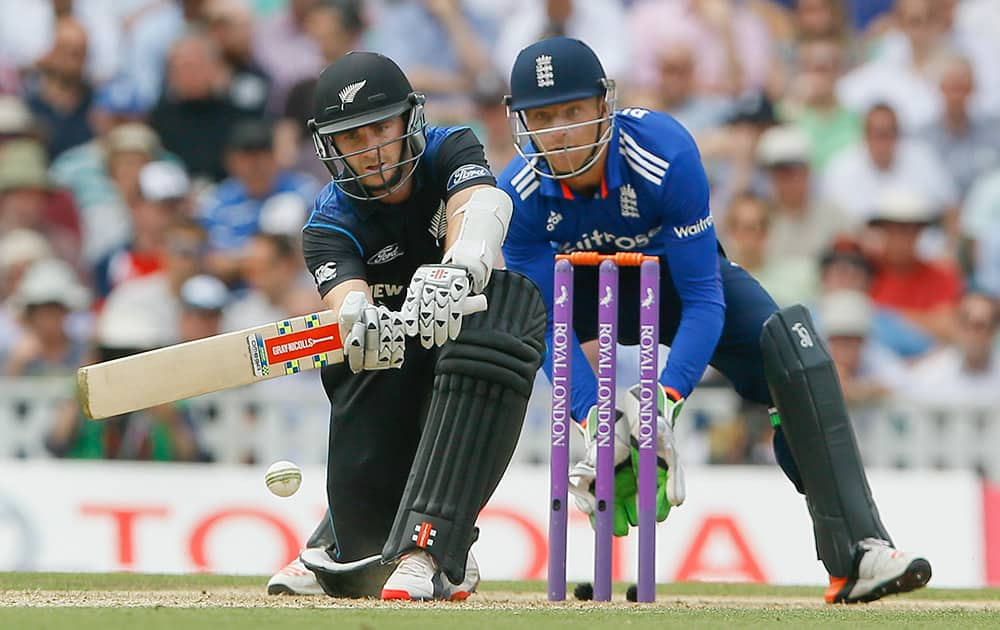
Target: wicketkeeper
(590, 178)
(428, 405)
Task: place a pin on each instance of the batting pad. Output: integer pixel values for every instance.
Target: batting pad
(482, 383)
(804, 386)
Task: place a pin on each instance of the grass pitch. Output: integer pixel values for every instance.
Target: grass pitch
(152, 602)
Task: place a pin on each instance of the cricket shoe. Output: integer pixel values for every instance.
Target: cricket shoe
(418, 578)
(880, 570)
(294, 579)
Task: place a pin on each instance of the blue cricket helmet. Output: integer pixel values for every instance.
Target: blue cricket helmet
(555, 70)
(549, 72)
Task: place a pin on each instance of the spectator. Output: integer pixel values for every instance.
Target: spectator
(441, 46)
(730, 152)
(967, 371)
(336, 26)
(230, 25)
(600, 23)
(788, 278)
(151, 303)
(844, 268)
(968, 144)
(855, 176)
(271, 268)
(906, 70)
(285, 51)
(163, 191)
(980, 216)
(29, 200)
(83, 168)
(811, 102)
(58, 93)
(19, 250)
(194, 115)
(106, 223)
(148, 31)
(734, 46)
(868, 372)
(677, 92)
(924, 293)
(46, 296)
(801, 225)
(231, 215)
(203, 299)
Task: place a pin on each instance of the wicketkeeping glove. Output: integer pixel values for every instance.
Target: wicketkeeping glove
(434, 303)
(583, 474)
(373, 336)
(670, 489)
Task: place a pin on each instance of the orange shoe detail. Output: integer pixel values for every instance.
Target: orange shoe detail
(832, 591)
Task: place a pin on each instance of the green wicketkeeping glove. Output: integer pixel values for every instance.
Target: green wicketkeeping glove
(582, 475)
(670, 490)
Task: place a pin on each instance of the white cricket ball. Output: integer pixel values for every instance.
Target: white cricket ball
(283, 478)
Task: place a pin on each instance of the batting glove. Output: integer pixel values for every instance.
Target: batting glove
(670, 489)
(373, 336)
(434, 303)
(584, 473)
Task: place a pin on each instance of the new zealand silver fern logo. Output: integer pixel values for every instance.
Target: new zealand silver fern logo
(350, 91)
(439, 225)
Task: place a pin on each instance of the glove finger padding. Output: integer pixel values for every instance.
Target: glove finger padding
(670, 489)
(433, 307)
(583, 474)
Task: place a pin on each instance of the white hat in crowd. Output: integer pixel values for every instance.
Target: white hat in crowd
(899, 205)
(847, 313)
(785, 144)
(163, 181)
(283, 214)
(51, 281)
(204, 293)
(20, 246)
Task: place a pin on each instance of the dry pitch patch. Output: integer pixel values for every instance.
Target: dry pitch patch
(488, 600)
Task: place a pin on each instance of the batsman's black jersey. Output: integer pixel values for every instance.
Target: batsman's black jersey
(384, 244)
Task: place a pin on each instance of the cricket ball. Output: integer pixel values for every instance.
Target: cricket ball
(283, 478)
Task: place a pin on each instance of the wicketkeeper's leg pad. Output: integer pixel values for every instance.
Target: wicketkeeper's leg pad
(805, 389)
(482, 383)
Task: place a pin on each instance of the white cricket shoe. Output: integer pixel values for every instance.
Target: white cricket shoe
(294, 579)
(418, 578)
(881, 570)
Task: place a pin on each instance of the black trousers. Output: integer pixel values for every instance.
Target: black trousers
(376, 420)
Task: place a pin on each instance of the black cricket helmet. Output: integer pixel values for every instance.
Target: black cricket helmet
(359, 89)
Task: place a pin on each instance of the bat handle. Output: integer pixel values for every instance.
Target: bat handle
(474, 304)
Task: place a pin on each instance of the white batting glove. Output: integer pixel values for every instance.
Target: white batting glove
(373, 336)
(435, 302)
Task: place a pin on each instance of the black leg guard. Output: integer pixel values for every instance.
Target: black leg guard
(361, 578)
(322, 536)
(482, 384)
(805, 389)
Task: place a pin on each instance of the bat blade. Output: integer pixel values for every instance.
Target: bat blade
(209, 365)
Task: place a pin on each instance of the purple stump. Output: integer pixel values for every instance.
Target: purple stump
(649, 336)
(562, 334)
(607, 347)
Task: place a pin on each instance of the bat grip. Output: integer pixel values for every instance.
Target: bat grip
(474, 304)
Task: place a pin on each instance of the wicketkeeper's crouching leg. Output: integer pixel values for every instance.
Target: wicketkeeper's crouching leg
(851, 540)
(482, 383)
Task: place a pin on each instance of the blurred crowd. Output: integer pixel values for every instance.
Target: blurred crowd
(156, 169)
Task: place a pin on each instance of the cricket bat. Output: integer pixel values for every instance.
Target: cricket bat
(215, 363)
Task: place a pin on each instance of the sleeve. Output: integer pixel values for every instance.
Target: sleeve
(528, 253)
(332, 254)
(461, 162)
(693, 263)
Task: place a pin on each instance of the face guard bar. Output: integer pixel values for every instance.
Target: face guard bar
(382, 182)
(528, 143)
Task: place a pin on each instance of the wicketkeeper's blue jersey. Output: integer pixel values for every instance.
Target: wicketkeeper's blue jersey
(653, 199)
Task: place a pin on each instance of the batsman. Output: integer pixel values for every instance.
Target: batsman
(591, 178)
(428, 405)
